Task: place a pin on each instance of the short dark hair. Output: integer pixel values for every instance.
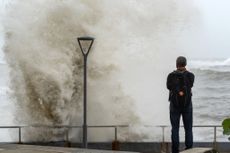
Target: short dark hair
(181, 61)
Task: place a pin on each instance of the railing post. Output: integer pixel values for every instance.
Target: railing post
(115, 143)
(67, 143)
(67, 135)
(215, 142)
(19, 136)
(164, 145)
(115, 133)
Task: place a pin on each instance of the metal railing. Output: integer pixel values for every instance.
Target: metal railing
(66, 127)
(195, 126)
(115, 127)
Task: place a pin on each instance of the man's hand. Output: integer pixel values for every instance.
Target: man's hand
(181, 93)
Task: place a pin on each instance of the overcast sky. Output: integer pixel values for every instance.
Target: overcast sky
(210, 37)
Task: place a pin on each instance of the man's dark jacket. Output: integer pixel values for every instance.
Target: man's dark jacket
(171, 84)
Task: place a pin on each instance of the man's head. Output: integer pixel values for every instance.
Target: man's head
(181, 61)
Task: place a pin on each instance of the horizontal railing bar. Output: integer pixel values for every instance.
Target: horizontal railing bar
(107, 126)
(98, 126)
(10, 127)
(211, 126)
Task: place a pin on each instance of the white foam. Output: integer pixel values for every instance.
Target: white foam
(133, 41)
(209, 63)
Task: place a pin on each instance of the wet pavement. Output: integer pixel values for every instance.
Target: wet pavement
(16, 148)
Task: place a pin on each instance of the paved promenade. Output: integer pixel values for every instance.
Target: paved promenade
(14, 148)
(199, 150)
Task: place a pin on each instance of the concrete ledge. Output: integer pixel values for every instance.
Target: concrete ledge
(199, 150)
(16, 148)
(144, 147)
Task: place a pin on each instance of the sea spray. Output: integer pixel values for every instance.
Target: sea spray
(135, 42)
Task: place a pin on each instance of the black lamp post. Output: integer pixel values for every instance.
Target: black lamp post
(85, 44)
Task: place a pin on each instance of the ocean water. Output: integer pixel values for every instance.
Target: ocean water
(210, 98)
(211, 91)
(211, 95)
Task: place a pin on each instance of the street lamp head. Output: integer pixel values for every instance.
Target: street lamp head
(85, 38)
(85, 44)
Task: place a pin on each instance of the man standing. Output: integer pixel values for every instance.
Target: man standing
(179, 84)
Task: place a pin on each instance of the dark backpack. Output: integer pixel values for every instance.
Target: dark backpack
(181, 91)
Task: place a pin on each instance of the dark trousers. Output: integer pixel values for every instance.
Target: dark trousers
(175, 114)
